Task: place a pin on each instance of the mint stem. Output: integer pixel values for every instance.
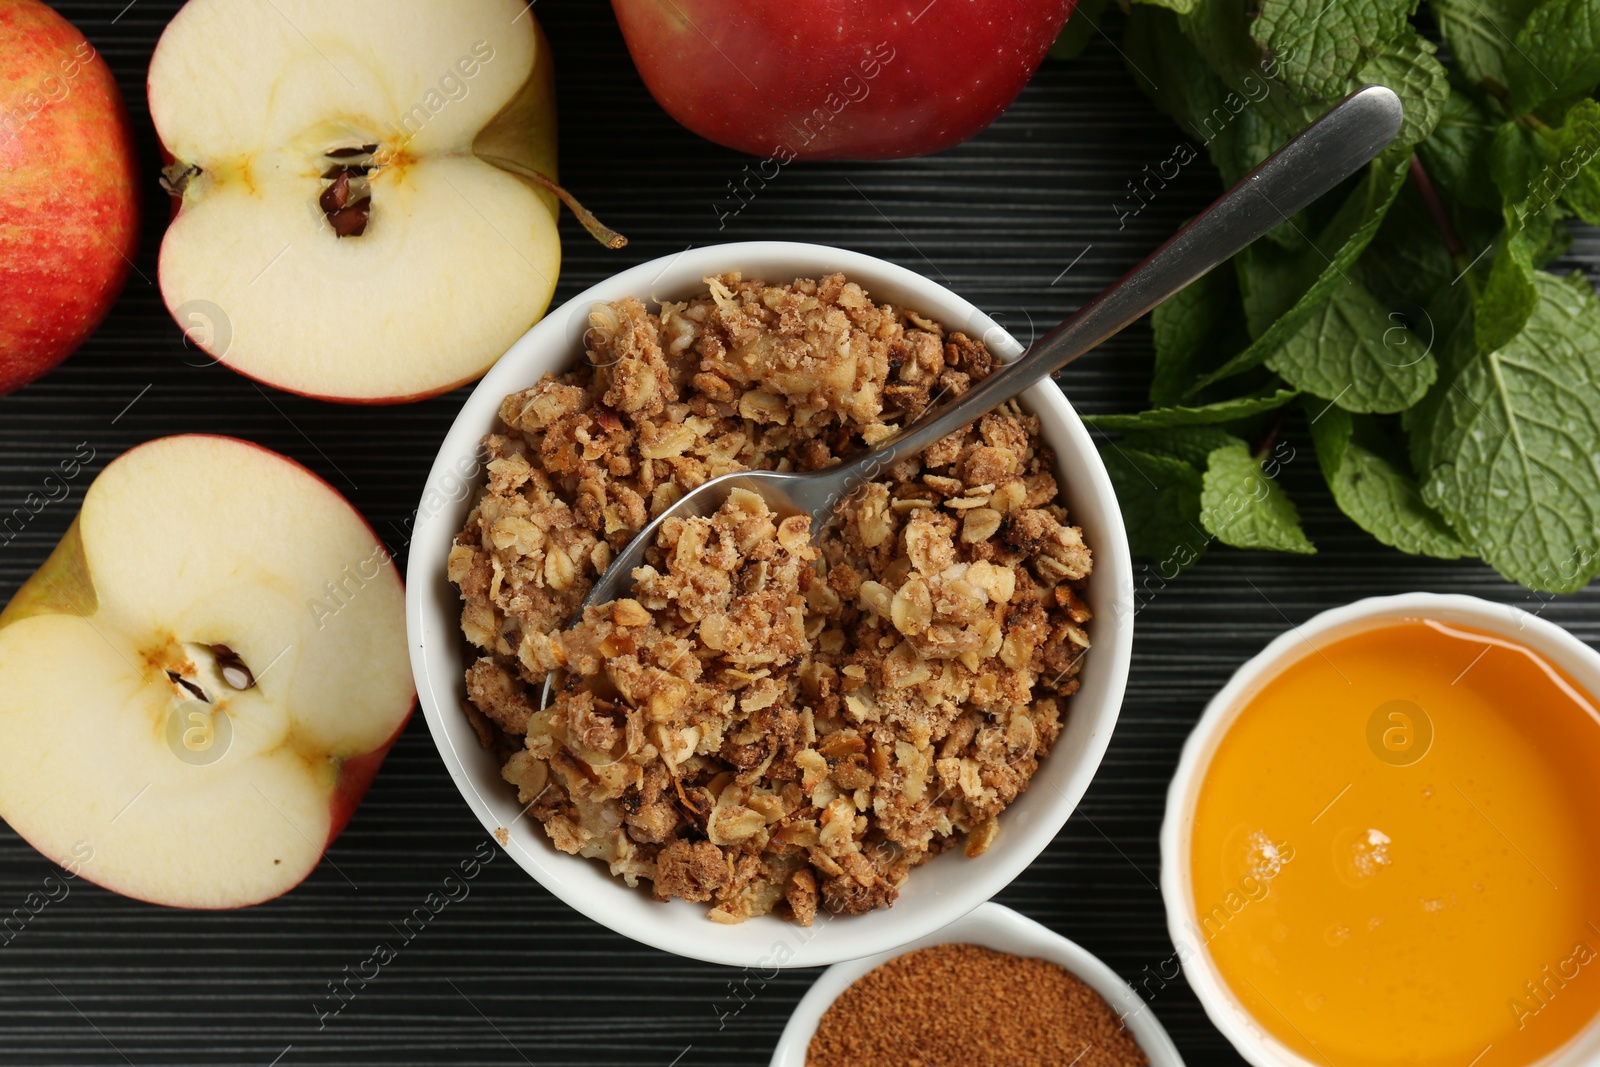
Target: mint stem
(1436, 208)
(1264, 448)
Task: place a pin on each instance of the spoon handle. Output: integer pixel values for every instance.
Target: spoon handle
(1338, 144)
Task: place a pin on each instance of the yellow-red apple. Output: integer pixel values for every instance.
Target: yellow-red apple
(199, 684)
(356, 218)
(69, 209)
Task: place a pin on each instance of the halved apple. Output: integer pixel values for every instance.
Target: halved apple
(338, 210)
(199, 684)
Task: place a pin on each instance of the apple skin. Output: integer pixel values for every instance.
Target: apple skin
(63, 585)
(69, 205)
(355, 776)
(877, 79)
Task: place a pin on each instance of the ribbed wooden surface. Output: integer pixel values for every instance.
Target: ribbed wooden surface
(508, 975)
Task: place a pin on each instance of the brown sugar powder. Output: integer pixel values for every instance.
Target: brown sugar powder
(970, 1006)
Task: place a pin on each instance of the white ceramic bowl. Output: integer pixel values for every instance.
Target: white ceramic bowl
(937, 893)
(998, 927)
(1580, 662)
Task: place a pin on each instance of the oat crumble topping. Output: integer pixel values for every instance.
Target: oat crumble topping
(769, 723)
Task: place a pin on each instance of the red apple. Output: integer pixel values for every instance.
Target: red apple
(834, 79)
(198, 686)
(69, 210)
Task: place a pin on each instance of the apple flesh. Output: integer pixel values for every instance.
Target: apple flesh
(199, 684)
(838, 79)
(341, 232)
(69, 208)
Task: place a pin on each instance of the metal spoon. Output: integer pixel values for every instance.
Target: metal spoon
(1325, 153)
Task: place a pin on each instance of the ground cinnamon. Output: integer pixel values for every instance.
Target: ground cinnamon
(969, 1006)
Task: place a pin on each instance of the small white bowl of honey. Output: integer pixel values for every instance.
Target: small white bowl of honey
(1382, 842)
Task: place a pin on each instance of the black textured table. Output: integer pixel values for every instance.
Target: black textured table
(1021, 221)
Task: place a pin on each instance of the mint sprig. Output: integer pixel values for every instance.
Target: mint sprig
(1373, 486)
(1350, 351)
(1245, 507)
(1556, 56)
(1449, 384)
(1510, 451)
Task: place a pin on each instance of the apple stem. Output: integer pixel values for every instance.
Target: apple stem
(597, 229)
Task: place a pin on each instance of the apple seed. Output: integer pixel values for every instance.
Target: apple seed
(336, 196)
(189, 687)
(352, 221)
(234, 671)
(347, 211)
(347, 202)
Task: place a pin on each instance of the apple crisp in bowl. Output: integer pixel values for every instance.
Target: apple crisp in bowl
(773, 722)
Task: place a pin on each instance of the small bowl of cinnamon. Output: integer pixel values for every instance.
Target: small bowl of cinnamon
(992, 988)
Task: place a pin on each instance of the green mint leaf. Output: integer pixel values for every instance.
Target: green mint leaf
(1407, 66)
(1509, 296)
(1532, 171)
(1354, 352)
(1271, 279)
(1480, 34)
(1513, 446)
(1548, 236)
(1182, 7)
(1080, 29)
(1456, 153)
(1454, 346)
(1293, 59)
(1245, 508)
(1168, 68)
(1188, 329)
(1407, 261)
(1557, 54)
(1570, 173)
(1351, 230)
(1378, 496)
(1191, 444)
(1579, 282)
(1160, 500)
(1516, 155)
(1321, 43)
(1583, 195)
(1220, 31)
(1204, 415)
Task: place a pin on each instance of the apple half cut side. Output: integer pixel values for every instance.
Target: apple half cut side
(199, 684)
(339, 232)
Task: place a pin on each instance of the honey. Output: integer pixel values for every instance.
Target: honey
(1396, 852)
